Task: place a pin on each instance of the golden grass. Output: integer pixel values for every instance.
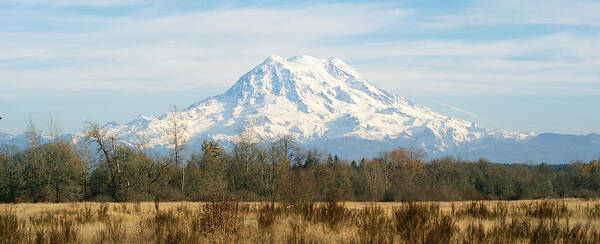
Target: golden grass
(139, 222)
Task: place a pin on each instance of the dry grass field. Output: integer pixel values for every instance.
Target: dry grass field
(539, 221)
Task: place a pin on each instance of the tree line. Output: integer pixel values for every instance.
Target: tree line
(103, 169)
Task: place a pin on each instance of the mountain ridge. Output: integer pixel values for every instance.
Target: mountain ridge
(325, 103)
(314, 99)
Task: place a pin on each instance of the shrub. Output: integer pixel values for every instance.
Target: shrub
(481, 211)
(43, 219)
(268, 214)
(137, 207)
(12, 229)
(517, 228)
(547, 209)
(124, 207)
(544, 232)
(220, 217)
(332, 213)
(411, 219)
(577, 234)
(307, 210)
(115, 230)
(64, 231)
(593, 212)
(423, 223)
(298, 235)
(103, 211)
(373, 225)
(84, 214)
(475, 233)
(163, 223)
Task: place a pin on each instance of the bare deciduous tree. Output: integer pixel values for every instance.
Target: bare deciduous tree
(177, 138)
(33, 135)
(86, 158)
(244, 149)
(53, 132)
(107, 144)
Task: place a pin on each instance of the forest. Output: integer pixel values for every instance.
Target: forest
(101, 169)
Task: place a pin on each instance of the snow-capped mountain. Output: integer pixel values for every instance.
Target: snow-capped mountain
(320, 102)
(22, 140)
(326, 104)
(4, 138)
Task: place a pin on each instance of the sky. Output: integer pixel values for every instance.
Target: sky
(529, 66)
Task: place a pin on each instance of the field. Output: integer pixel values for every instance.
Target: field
(538, 221)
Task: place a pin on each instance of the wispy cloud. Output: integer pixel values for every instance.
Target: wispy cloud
(489, 47)
(519, 12)
(197, 48)
(184, 50)
(462, 111)
(60, 3)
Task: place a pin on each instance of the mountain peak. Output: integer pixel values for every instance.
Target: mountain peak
(309, 82)
(306, 60)
(324, 103)
(314, 100)
(273, 58)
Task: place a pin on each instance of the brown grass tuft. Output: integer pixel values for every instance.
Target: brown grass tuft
(563, 221)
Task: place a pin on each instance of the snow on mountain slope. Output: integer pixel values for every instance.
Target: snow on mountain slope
(5, 138)
(314, 100)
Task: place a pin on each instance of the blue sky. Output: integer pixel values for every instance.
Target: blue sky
(518, 65)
